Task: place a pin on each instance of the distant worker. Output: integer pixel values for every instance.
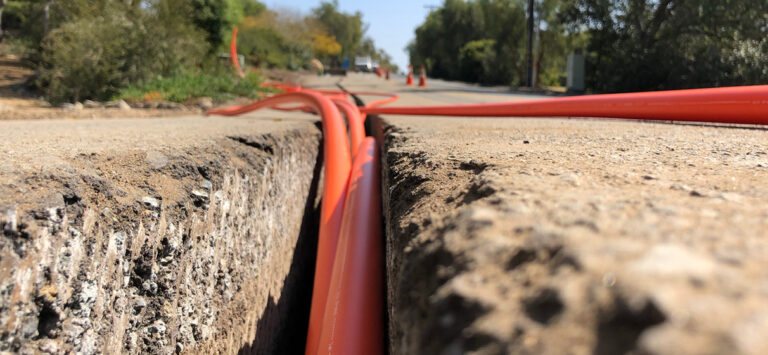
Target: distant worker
(318, 66)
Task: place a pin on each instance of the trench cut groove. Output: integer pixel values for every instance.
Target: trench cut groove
(204, 248)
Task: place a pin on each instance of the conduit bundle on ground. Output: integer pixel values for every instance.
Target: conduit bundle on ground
(346, 313)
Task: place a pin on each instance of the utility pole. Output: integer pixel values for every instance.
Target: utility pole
(530, 43)
(47, 16)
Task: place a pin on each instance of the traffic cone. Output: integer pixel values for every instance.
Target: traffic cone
(409, 80)
(423, 78)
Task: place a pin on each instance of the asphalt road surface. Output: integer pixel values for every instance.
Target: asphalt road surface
(505, 235)
(526, 235)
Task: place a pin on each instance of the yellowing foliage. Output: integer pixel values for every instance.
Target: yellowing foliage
(153, 96)
(250, 22)
(325, 46)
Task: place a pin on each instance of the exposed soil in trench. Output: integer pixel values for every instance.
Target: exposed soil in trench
(204, 244)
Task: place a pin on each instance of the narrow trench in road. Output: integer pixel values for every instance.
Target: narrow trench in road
(374, 128)
(288, 322)
(282, 328)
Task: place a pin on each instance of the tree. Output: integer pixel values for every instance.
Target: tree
(95, 56)
(474, 60)
(325, 46)
(555, 42)
(2, 8)
(347, 29)
(275, 40)
(672, 44)
(253, 8)
(216, 18)
(480, 41)
(92, 49)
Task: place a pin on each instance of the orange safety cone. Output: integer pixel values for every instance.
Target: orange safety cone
(409, 80)
(423, 78)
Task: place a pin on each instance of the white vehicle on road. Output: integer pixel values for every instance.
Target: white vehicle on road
(364, 64)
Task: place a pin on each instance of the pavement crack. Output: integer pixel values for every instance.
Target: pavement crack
(264, 146)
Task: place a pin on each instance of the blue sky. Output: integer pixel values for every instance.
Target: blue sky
(391, 23)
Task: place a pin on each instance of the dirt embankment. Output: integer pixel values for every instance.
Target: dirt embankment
(157, 236)
(575, 237)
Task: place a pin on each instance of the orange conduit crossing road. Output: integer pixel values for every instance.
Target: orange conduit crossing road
(742, 105)
(347, 299)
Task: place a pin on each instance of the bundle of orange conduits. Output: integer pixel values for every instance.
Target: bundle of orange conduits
(346, 313)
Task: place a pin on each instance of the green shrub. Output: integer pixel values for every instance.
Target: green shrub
(179, 88)
(266, 47)
(475, 61)
(95, 57)
(216, 18)
(16, 46)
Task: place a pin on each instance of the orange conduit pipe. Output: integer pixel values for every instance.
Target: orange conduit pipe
(740, 105)
(233, 54)
(353, 322)
(339, 98)
(282, 86)
(334, 95)
(389, 97)
(355, 122)
(346, 315)
(337, 168)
